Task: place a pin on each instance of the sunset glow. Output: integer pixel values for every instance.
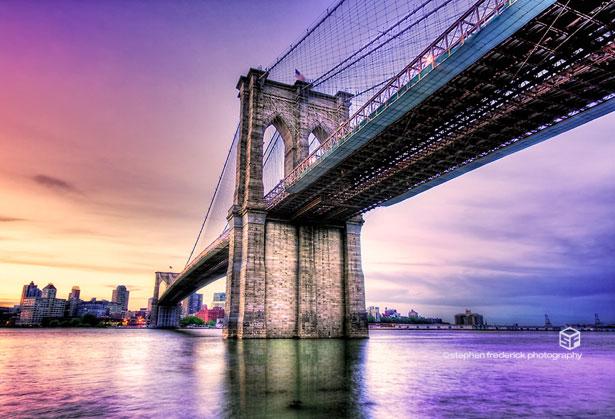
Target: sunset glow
(115, 119)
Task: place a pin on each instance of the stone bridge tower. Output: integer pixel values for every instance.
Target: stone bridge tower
(161, 316)
(288, 279)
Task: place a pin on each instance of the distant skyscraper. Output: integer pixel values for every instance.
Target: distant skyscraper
(73, 302)
(75, 293)
(192, 304)
(219, 299)
(120, 296)
(49, 291)
(29, 291)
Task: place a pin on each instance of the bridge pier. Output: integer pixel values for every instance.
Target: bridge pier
(168, 317)
(297, 281)
(163, 316)
(289, 278)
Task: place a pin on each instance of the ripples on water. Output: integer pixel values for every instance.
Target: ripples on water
(155, 373)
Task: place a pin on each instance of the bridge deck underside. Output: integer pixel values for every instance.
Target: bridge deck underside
(206, 268)
(559, 63)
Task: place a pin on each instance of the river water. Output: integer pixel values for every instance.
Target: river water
(394, 374)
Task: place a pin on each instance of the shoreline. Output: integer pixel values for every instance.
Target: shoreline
(458, 328)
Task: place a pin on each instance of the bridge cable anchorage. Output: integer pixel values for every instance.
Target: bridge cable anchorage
(211, 202)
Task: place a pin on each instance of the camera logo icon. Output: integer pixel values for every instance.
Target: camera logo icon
(569, 338)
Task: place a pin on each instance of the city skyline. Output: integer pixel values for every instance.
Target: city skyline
(102, 157)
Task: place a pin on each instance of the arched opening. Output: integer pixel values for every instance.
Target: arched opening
(274, 154)
(316, 138)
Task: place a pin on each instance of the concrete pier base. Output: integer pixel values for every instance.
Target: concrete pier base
(168, 317)
(297, 281)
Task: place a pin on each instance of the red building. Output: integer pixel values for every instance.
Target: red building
(210, 314)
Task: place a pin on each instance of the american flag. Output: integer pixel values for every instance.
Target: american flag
(299, 76)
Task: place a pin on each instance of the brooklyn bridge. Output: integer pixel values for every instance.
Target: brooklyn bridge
(351, 117)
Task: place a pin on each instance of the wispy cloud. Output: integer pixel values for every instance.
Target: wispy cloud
(5, 219)
(55, 184)
(132, 288)
(76, 266)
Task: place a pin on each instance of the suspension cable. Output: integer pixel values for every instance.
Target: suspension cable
(211, 203)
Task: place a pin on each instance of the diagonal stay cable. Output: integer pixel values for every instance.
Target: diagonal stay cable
(213, 198)
(337, 70)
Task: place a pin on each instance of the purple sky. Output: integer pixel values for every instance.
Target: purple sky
(115, 118)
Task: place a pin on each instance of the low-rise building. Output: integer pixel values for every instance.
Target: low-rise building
(94, 307)
(391, 313)
(5, 316)
(207, 315)
(469, 319)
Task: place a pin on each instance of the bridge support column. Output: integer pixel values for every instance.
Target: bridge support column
(251, 321)
(168, 317)
(288, 279)
(354, 286)
(231, 308)
(302, 281)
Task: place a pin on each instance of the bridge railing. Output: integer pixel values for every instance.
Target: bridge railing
(195, 261)
(443, 47)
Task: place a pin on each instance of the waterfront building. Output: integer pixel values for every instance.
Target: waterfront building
(5, 315)
(75, 293)
(469, 319)
(219, 299)
(391, 313)
(213, 313)
(137, 318)
(120, 296)
(50, 291)
(29, 291)
(374, 313)
(97, 308)
(116, 311)
(73, 302)
(44, 305)
(413, 314)
(192, 304)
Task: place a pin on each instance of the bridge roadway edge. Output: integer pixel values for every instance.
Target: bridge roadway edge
(495, 32)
